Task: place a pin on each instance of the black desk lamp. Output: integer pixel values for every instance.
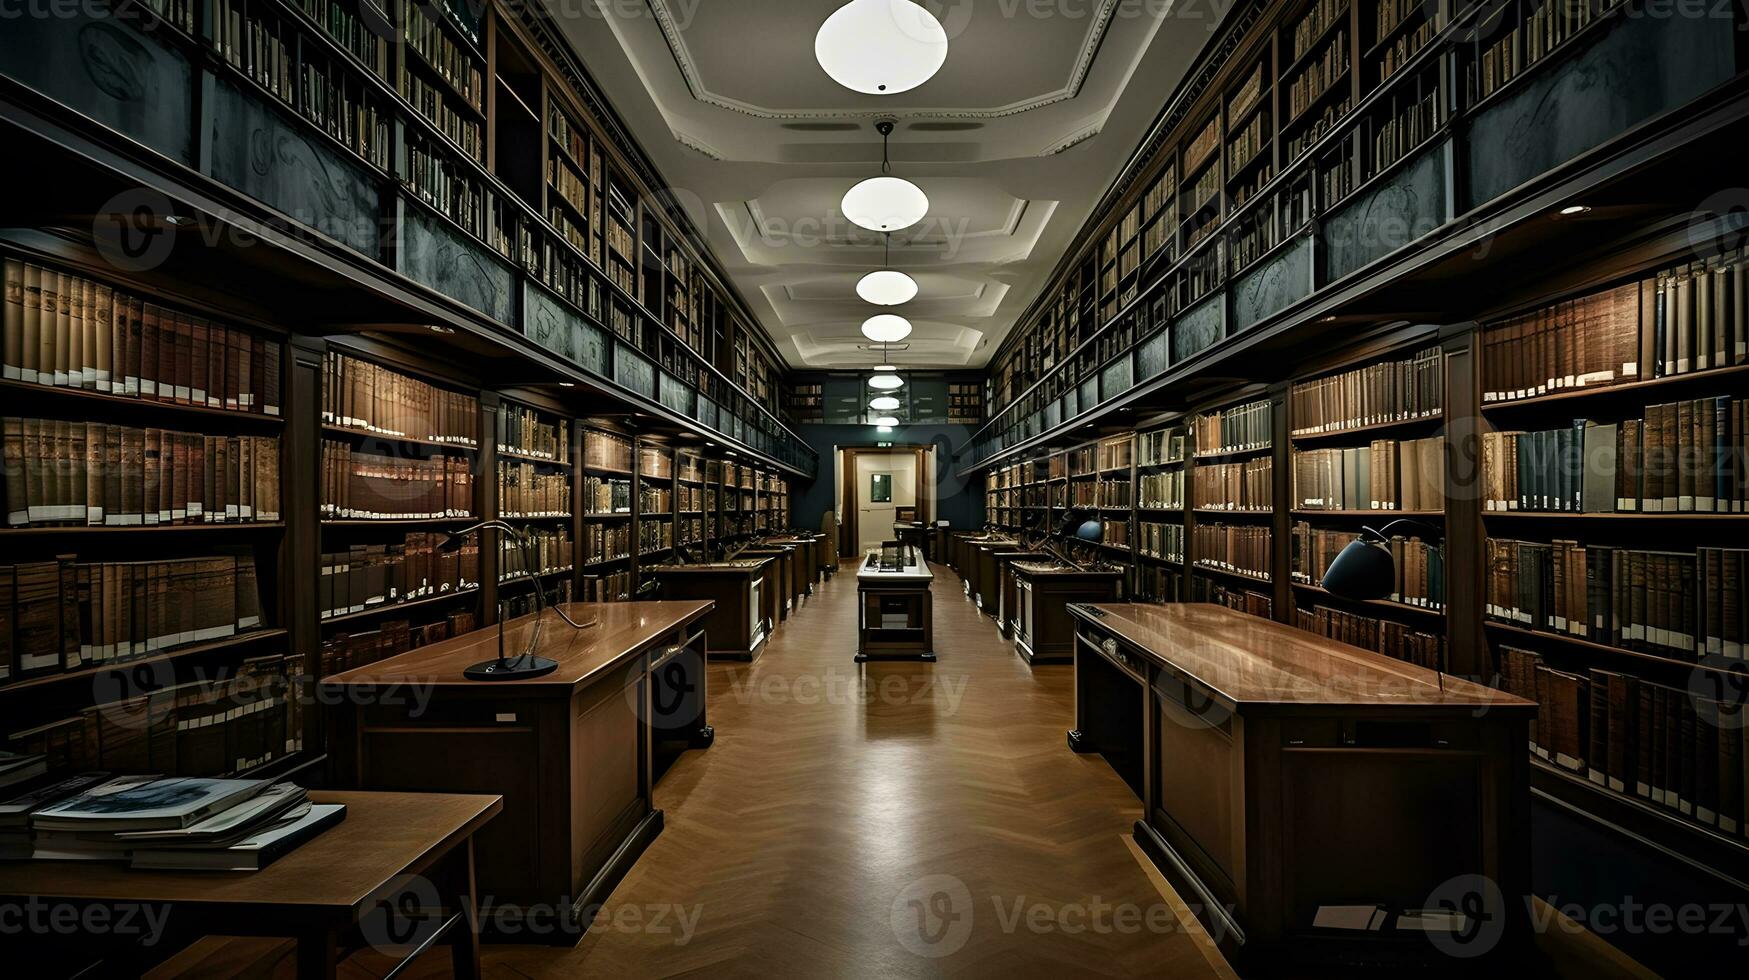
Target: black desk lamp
(526, 665)
(1365, 569)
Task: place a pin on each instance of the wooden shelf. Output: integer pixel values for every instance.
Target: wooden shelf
(1386, 515)
(1582, 644)
(1231, 572)
(1232, 453)
(1337, 435)
(11, 390)
(348, 432)
(87, 529)
(1387, 605)
(390, 607)
(1711, 378)
(164, 656)
(396, 521)
(1637, 515)
(512, 454)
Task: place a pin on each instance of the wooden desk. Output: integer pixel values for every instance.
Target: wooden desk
(907, 591)
(783, 575)
(1280, 772)
(807, 562)
(318, 894)
(1043, 630)
(985, 582)
(574, 753)
(1007, 588)
(735, 627)
(971, 554)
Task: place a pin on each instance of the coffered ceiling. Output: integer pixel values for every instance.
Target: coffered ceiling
(1038, 106)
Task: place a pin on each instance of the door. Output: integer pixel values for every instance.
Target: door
(884, 483)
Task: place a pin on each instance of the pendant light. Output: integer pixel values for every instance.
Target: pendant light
(886, 382)
(887, 287)
(881, 47)
(885, 203)
(884, 403)
(886, 328)
(886, 420)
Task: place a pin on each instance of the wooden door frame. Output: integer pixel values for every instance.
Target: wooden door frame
(847, 529)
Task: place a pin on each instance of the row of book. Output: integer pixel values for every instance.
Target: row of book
(1684, 605)
(1539, 31)
(551, 549)
(553, 593)
(655, 499)
(344, 110)
(526, 432)
(1675, 748)
(606, 542)
(228, 723)
(366, 576)
(1392, 639)
(96, 474)
(64, 614)
(1156, 448)
(1243, 600)
(1386, 475)
(1111, 493)
(1245, 549)
(1682, 457)
(362, 395)
(655, 463)
(1688, 319)
(1161, 540)
(1238, 429)
(606, 496)
(655, 536)
(612, 587)
(1390, 391)
(1248, 486)
(606, 451)
(1318, 76)
(1419, 565)
(526, 491)
(1161, 491)
(457, 191)
(363, 486)
(349, 651)
(421, 27)
(67, 331)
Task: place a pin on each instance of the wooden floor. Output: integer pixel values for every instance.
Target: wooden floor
(895, 821)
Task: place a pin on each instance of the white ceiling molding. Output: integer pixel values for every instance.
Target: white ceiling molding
(697, 145)
(1098, 24)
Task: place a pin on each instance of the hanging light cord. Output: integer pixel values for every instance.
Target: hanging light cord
(886, 163)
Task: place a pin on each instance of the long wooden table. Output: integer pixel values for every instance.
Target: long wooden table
(1282, 773)
(349, 886)
(574, 753)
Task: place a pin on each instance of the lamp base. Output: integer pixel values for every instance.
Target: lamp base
(516, 669)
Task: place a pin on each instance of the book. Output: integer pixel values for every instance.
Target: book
(250, 854)
(145, 803)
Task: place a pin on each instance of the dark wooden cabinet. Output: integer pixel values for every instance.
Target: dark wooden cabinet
(783, 576)
(572, 753)
(1007, 589)
(1281, 773)
(735, 628)
(1039, 622)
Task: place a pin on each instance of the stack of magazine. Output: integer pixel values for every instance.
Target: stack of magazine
(163, 821)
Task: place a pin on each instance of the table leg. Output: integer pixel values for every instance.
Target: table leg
(464, 940)
(318, 949)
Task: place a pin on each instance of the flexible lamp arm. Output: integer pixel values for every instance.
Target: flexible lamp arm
(1384, 534)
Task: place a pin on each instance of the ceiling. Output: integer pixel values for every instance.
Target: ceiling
(1014, 140)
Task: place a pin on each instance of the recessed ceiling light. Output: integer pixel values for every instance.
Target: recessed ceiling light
(1573, 209)
(881, 47)
(886, 328)
(887, 288)
(567, 384)
(885, 204)
(886, 382)
(884, 403)
(886, 369)
(887, 420)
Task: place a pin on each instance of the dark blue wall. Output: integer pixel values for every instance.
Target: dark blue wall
(955, 500)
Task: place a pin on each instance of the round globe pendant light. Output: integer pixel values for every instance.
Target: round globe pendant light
(886, 420)
(886, 328)
(886, 382)
(887, 288)
(885, 204)
(881, 47)
(884, 403)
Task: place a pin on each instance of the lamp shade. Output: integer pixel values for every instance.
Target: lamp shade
(886, 420)
(1363, 570)
(887, 287)
(886, 328)
(1091, 530)
(885, 204)
(881, 47)
(885, 403)
(886, 382)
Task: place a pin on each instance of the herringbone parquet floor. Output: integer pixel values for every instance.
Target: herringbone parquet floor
(903, 820)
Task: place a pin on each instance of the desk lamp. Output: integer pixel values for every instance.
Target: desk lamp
(1365, 568)
(526, 665)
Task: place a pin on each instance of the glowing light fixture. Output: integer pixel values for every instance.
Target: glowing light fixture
(881, 47)
(886, 328)
(887, 288)
(886, 382)
(887, 420)
(885, 203)
(884, 403)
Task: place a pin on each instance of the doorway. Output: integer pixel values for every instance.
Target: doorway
(877, 487)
